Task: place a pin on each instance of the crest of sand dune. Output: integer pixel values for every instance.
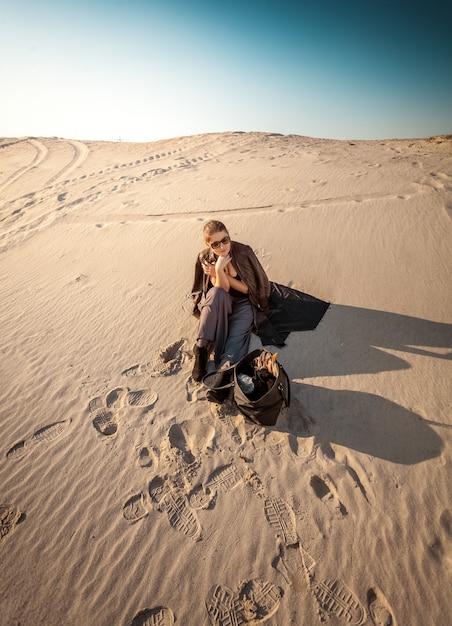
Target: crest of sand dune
(125, 498)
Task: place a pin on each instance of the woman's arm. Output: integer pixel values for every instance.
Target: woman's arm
(217, 272)
(221, 277)
(238, 285)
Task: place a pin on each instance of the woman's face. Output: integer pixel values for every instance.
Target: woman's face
(220, 243)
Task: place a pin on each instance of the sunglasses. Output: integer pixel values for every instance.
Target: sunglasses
(216, 244)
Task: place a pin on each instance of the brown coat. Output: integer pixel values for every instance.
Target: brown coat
(248, 268)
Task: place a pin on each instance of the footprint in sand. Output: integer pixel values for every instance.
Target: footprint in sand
(224, 478)
(105, 422)
(298, 423)
(342, 470)
(307, 561)
(145, 398)
(95, 404)
(115, 398)
(44, 435)
(168, 361)
(231, 420)
(50, 432)
(148, 457)
(183, 448)
(379, 609)
(201, 497)
(18, 450)
(135, 508)
(194, 391)
(282, 518)
(180, 516)
(323, 492)
(223, 607)
(255, 601)
(174, 503)
(9, 517)
(178, 462)
(335, 598)
(192, 437)
(332, 595)
(263, 439)
(107, 413)
(157, 489)
(159, 616)
(297, 566)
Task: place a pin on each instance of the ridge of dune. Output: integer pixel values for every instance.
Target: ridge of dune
(125, 498)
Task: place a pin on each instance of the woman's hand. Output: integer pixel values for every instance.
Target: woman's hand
(217, 271)
(222, 262)
(209, 269)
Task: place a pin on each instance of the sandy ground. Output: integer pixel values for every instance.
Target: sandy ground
(126, 498)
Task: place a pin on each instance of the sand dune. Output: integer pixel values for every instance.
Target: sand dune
(125, 497)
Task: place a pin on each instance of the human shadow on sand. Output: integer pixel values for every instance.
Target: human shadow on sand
(352, 340)
(364, 422)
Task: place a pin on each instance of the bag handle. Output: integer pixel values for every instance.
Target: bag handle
(209, 379)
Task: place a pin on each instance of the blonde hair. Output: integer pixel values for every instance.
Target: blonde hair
(211, 227)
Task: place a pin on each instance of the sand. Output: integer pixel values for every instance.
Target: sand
(126, 498)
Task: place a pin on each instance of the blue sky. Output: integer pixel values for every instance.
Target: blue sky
(143, 70)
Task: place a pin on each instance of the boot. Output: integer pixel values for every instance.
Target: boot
(200, 366)
(223, 377)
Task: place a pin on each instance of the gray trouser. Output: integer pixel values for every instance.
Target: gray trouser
(227, 322)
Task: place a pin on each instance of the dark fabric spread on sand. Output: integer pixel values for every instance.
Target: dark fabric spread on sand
(289, 310)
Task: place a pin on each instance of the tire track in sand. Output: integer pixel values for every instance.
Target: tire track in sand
(80, 154)
(41, 154)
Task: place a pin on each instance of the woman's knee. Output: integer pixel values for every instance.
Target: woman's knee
(217, 297)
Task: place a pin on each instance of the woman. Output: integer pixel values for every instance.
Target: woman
(230, 286)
